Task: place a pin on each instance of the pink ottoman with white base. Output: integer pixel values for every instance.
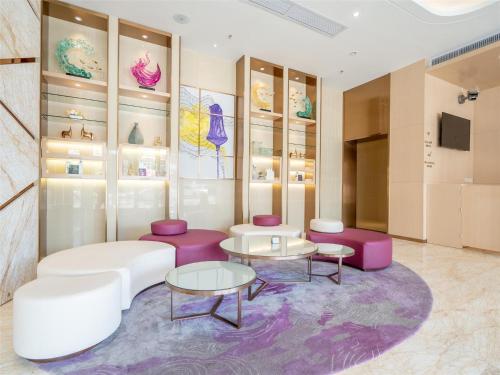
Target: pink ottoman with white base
(373, 250)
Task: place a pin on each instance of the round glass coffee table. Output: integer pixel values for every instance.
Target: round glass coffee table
(211, 278)
(338, 252)
(270, 248)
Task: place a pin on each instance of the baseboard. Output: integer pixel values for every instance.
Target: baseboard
(407, 238)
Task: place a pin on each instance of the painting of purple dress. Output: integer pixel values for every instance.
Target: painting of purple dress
(217, 134)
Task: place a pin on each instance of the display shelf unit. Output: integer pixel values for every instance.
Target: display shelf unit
(302, 197)
(142, 167)
(72, 169)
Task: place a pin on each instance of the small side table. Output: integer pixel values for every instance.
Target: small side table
(334, 251)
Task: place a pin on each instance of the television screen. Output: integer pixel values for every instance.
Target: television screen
(454, 132)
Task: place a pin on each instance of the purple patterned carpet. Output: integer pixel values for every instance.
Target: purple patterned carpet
(309, 328)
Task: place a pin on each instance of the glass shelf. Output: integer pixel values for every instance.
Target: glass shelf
(302, 131)
(69, 99)
(144, 110)
(270, 127)
(46, 116)
(301, 145)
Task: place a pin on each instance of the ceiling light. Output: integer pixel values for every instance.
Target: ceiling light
(77, 85)
(181, 18)
(297, 78)
(78, 18)
(144, 96)
(215, 45)
(261, 69)
(341, 72)
(145, 36)
(353, 53)
(355, 14)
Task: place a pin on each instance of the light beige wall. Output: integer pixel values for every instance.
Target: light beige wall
(406, 152)
(207, 204)
(19, 143)
(330, 203)
(444, 165)
(487, 137)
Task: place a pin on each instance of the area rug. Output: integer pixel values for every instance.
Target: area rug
(307, 328)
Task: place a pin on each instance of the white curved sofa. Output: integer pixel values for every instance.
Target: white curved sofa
(57, 316)
(257, 230)
(77, 299)
(140, 264)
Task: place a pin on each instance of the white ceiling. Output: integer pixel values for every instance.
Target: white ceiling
(388, 34)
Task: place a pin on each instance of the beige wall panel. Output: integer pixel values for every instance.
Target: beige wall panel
(20, 92)
(406, 154)
(18, 157)
(444, 218)
(449, 166)
(406, 213)
(36, 5)
(481, 216)
(18, 243)
(487, 137)
(407, 96)
(19, 30)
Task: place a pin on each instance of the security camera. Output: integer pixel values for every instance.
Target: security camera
(471, 96)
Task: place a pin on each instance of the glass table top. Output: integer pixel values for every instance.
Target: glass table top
(210, 276)
(334, 250)
(260, 247)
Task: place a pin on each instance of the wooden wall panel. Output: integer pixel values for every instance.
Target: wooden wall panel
(240, 141)
(349, 184)
(481, 216)
(366, 109)
(444, 216)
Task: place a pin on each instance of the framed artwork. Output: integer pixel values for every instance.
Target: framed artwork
(206, 134)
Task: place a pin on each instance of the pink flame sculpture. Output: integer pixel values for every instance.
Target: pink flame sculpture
(143, 76)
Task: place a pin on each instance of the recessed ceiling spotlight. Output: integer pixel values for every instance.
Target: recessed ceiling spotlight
(341, 72)
(262, 68)
(144, 36)
(215, 45)
(355, 14)
(353, 53)
(181, 18)
(297, 78)
(144, 96)
(77, 85)
(78, 18)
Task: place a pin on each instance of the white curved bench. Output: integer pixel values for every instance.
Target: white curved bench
(140, 264)
(257, 230)
(58, 316)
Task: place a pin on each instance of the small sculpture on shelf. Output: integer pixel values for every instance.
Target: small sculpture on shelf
(85, 134)
(76, 58)
(135, 137)
(74, 114)
(145, 78)
(306, 113)
(262, 96)
(157, 141)
(67, 133)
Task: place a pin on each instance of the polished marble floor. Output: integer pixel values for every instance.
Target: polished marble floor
(462, 335)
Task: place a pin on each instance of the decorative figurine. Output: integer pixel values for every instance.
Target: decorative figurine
(74, 114)
(145, 78)
(306, 113)
(269, 174)
(85, 134)
(67, 133)
(76, 58)
(135, 137)
(157, 141)
(261, 96)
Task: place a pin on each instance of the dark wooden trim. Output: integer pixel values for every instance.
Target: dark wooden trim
(407, 238)
(17, 60)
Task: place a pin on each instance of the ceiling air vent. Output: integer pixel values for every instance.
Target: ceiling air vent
(468, 48)
(298, 14)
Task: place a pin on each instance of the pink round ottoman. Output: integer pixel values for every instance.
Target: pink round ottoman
(168, 227)
(266, 220)
(373, 250)
(194, 245)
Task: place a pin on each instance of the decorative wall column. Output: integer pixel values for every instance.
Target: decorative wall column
(19, 142)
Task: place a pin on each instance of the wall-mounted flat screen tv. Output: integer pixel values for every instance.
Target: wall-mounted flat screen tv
(454, 132)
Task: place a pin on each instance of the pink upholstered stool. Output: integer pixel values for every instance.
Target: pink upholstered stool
(168, 227)
(373, 250)
(192, 245)
(266, 220)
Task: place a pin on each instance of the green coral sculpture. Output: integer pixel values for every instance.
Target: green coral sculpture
(63, 46)
(306, 113)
